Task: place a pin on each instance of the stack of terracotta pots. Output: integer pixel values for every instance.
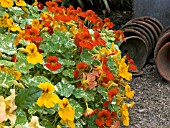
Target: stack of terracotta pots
(162, 54)
(141, 36)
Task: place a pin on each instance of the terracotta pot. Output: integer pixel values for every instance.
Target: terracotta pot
(166, 29)
(144, 18)
(137, 49)
(164, 38)
(144, 28)
(144, 33)
(154, 33)
(132, 32)
(159, 24)
(163, 61)
(158, 30)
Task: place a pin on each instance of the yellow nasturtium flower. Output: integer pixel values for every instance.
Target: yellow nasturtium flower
(5, 16)
(129, 93)
(124, 114)
(3, 20)
(33, 56)
(123, 70)
(20, 3)
(66, 112)
(12, 26)
(47, 99)
(6, 3)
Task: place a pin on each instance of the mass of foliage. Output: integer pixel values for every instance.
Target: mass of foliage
(61, 67)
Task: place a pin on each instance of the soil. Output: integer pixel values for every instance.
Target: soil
(152, 92)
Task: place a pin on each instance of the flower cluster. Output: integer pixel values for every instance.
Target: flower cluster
(63, 68)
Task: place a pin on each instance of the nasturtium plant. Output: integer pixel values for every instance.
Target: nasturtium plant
(61, 67)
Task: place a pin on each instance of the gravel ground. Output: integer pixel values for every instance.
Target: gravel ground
(152, 100)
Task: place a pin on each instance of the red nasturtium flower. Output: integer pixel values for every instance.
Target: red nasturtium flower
(98, 25)
(112, 93)
(51, 6)
(84, 40)
(52, 63)
(50, 30)
(98, 39)
(108, 23)
(131, 63)
(91, 16)
(40, 5)
(14, 59)
(108, 73)
(72, 14)
(80, 66)
(104, 119)
(32, 34)
(80, 12)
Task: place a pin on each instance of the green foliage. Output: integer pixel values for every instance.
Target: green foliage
(65, 89)
(21, 117)
(78, 109)
(6, 80)
(28, 96)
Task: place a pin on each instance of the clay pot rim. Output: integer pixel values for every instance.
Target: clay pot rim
(158, 63)
(135, 31)
(155, 35)
(159, 43)
(158, 30)
(159, 24)
(143, 26)
(156, 20)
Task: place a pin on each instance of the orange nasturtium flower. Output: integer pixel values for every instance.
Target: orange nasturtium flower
(16, 74)
(6, 3)
(33, 56)
(20, 3)
(36, 24)
(119, 35)
(47, 99)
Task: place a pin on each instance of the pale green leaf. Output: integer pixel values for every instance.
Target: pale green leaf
(65, 89)
(78, 109)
